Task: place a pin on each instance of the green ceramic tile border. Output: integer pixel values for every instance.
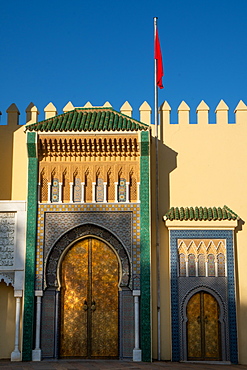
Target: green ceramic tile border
(28, 316)
(145, 314)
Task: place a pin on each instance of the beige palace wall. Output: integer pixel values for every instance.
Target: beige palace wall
(200, 164)
(203, 164)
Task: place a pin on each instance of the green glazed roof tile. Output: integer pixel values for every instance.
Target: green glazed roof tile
(200, 214)
(89, 119)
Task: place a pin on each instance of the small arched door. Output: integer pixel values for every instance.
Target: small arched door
(203, 328)
(89, 301)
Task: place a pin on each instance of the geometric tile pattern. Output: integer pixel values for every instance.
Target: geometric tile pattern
(229, 300)
(100, 190)
(79, 232)
(54, 220)
(55, 191)
(77, 190)
(122, 190)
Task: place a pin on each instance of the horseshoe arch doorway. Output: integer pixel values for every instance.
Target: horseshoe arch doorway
(203, 328)
(89, 277)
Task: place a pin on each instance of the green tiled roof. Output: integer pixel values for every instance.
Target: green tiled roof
(200, 214)
(88, 119)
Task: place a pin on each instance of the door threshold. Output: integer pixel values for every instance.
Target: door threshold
(208, 362)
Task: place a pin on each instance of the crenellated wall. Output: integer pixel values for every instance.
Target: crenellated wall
(200, 164)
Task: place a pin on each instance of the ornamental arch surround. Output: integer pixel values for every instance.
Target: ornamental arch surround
(74, 235)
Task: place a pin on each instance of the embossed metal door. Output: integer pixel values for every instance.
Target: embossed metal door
(89, 301)
(203, 328)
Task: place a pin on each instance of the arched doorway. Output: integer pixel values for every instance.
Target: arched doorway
(89, 301)
(203, 328)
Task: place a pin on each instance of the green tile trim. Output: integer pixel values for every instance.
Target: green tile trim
(28, 314)
(145, 303)
(89, 119)
(32, 144)
(201, 214)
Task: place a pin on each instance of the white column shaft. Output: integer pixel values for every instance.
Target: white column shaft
(60, 192)
(187, 268)
(138, 192)
(17, 322)
(49, 193)
(16, 355)
(216, 268)
(38, 318)
(105, 192)
(71, 192)
(93, 190)
(83, 192)
(116, 192)
(127, 192)
(136, 300)
(196, 268)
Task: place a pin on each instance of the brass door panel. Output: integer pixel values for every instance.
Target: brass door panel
(203, 328)
(89, 301)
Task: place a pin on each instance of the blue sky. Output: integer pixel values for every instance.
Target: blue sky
(101, 51)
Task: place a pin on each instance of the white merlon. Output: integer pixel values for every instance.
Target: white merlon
(165, 113)
(222, 113)
(31, 114)
(107, 105)
(183, 113)
(145, 113)
(88, 105)
(202, 113)
(50, 111)
(68, 107)
(126, 109)
(241, 113)
(13, 115)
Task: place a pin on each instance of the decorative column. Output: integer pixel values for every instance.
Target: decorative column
(186, 266)
(137, 352)
(93, 190)
(116, 192)
(127, 192)
(36, 353)
(196, 263)
(216, 266)
(207, 267)
(105, 192)
(49, 193)
(60, 192)
(138, 192)
(16, 354)
(83, 192)
(71, 192)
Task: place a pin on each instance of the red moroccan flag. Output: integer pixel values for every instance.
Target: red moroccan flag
(159, 65)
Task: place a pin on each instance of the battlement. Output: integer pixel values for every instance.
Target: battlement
(145, 111)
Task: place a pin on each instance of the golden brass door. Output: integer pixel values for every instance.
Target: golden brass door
(203, 328)
(89, 301)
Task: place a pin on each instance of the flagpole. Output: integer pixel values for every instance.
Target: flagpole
(157, 198)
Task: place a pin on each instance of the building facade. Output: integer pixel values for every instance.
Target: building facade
(100, 258)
